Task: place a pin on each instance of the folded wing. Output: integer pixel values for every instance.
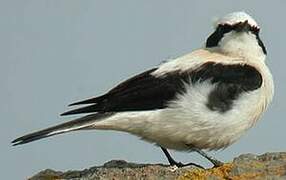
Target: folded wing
(142, 92)
(148, 92)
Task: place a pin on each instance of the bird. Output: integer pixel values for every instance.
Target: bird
(202, 101)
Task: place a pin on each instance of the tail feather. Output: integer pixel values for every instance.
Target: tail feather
(77, 124)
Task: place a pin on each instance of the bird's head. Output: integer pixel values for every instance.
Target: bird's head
(237, 34)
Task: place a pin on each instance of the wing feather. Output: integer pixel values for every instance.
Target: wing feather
(148, 92)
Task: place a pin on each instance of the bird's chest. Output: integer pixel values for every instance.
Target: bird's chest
(213, 117)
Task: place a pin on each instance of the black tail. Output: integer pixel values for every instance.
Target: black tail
(77, 124)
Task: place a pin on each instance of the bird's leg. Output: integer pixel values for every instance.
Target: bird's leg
(178, 164)
(170, 159)
(215, 162)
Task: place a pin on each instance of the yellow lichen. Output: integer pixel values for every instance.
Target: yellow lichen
(200, 174)
(248, 176)
(222, 172)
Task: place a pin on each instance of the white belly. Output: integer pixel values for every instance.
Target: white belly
(188, 121)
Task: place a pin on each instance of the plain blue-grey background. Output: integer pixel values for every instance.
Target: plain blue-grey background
(53, 53)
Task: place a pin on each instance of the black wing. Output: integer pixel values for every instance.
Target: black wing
(231, 81)
(142, 92)
(147, 92)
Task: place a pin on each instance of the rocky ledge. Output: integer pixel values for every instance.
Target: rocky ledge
(248, 166)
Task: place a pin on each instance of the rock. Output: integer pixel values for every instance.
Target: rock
(248, 166)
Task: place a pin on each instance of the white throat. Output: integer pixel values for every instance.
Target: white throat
(241, 44)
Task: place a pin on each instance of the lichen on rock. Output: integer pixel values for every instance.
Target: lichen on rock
(244, 167)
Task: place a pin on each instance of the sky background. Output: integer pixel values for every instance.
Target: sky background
(53, 53)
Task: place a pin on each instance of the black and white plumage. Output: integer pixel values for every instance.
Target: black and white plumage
(203, 100)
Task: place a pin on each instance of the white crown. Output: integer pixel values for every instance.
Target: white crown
(237, 17)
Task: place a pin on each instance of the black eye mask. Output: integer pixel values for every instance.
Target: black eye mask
(222, 29)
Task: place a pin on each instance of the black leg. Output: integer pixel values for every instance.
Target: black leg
(178, 164)
(215, 162)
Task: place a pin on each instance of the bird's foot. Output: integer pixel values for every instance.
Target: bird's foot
(180, 165)
(213, 160)
(217, 163)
